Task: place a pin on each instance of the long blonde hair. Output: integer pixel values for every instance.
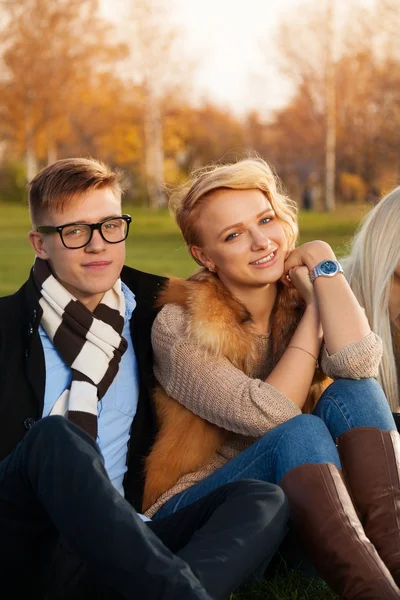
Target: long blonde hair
(369, 269)
(248, 173)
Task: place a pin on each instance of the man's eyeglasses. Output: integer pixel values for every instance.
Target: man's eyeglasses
(77, 235)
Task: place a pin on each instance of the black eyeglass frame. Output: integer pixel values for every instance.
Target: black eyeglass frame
(92, 226)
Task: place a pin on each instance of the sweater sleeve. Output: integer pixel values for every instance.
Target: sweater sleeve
(357, 360)
(210, 386)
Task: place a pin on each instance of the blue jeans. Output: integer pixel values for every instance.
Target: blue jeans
(345, 404)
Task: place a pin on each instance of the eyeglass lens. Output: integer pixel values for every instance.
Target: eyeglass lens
(113, 231)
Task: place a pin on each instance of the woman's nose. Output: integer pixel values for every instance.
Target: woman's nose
(259, 240)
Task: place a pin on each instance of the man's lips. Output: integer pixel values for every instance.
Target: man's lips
(97, 265)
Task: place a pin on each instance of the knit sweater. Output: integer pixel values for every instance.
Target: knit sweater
(246, 406)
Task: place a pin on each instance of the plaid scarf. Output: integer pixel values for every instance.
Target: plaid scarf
(90, 343)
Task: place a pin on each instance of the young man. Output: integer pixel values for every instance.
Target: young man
(75, 345)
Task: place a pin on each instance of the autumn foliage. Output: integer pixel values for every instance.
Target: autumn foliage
(73, 83)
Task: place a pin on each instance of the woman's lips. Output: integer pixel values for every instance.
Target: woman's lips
(266, 264)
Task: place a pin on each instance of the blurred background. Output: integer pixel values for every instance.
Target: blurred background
(160, 87)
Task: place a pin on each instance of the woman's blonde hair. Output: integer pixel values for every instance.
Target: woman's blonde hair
(248, 173)
(369, 269)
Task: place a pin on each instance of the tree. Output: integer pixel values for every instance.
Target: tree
(156, 63)
(52, 52)
(307, 50)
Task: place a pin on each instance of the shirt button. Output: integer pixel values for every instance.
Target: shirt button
(30, 329)
(29, 422)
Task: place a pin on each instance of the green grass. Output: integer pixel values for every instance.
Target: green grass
(155, 245)
(154, 242)
(291, 586)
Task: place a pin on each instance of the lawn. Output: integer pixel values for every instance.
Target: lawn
(292, 586)
(155, 245)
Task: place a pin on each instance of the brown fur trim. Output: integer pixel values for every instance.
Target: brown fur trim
(223, 325)
(185, 442)
(217, 320)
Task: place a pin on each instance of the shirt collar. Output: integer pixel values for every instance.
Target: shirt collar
(130, 301)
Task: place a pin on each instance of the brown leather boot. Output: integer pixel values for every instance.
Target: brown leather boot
(324, 515)
(371, 462)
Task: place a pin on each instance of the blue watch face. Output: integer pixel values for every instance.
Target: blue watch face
(328, 267)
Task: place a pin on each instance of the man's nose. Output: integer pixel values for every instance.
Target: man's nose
(97, 243)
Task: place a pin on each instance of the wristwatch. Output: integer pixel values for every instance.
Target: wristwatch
(326, 268)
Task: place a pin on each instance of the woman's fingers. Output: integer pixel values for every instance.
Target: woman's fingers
(294, 259)
(300, 278)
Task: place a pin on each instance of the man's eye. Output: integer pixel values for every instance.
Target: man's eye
(73, 231)
(231, 236)
(116, 224)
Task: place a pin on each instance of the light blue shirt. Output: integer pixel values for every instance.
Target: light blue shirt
(116, 409)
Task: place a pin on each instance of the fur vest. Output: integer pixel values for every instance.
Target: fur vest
(218, 322)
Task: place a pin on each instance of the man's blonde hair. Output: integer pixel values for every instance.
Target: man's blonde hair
(55, 185)
(245, 174)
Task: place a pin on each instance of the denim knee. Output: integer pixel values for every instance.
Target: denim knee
(57, 429)
(368, 388)
(263, 493)
(298, 426)
(47, 426)
(349, 403)
(250, 487)
(303, 439)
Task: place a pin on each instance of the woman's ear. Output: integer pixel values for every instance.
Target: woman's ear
(36, 240)
(201, 258)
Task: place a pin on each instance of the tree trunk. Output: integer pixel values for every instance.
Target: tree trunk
(51, 146)
(154, 153)
(31, 165)
(330, 139)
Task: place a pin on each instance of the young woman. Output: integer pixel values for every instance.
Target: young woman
(236, 349)
(373, 271)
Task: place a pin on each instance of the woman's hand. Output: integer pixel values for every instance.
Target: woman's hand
(342, 319)
(309, 255)
(299, 278)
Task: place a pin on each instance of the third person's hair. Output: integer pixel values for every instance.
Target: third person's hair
(369, 269)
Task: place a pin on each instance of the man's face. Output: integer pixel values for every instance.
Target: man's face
(88, 272)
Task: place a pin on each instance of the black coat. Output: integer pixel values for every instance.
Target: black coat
(22, 372)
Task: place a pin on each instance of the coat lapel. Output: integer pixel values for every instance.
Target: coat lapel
(33, 349)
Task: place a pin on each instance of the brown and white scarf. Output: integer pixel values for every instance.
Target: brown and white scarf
(90, 343)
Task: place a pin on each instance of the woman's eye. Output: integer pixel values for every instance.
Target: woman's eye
(265, 220)
(231, 236)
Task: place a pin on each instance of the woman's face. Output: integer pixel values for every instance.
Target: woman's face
(242, 239)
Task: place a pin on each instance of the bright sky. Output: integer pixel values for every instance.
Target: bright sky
(233, 45)
(227, 39)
